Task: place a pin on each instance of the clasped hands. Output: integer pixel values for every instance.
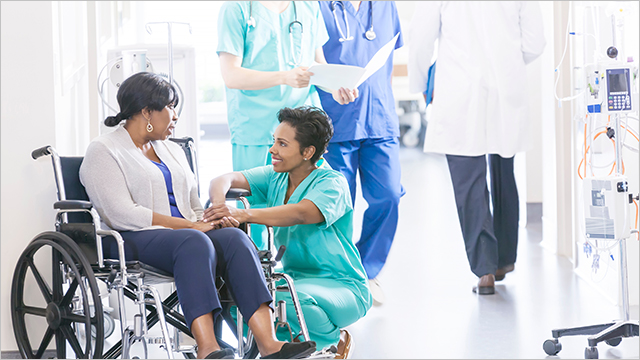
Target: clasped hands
(222, 215)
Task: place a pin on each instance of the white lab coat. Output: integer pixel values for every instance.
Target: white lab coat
(480, 95)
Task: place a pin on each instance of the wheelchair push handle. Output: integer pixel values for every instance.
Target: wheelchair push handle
(235, 193)
(38, 153)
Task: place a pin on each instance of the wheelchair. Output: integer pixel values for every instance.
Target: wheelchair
(71, 302)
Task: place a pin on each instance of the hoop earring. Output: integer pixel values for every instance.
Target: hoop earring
(149, 126)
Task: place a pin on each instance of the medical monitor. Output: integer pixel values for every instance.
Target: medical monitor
(618, 90)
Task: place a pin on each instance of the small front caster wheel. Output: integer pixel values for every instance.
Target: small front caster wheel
(591, 352)
(614, 341)
(552, 346)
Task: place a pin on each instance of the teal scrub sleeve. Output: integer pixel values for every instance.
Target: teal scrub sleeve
(231, 29)
(259, 179)
(331, 196)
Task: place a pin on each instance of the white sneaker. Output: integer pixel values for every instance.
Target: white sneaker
(376, 292)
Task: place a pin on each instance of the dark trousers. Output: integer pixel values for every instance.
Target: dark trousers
(195, 259)
(491, 241)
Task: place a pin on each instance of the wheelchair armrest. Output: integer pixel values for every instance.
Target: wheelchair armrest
(72, 205)
(232, 194)
(235, 193)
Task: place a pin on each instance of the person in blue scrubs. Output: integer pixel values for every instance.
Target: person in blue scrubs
(265, 49)
(366, 138)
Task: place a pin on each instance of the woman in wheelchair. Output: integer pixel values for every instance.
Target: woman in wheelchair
(142, 185)
(310, 207)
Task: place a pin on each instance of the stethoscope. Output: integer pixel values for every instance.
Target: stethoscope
(295, 60)
(369, 34)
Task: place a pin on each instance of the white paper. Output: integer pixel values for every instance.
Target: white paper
(330, 77)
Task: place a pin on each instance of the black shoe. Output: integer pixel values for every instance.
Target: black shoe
(294, 351)
(221, 354)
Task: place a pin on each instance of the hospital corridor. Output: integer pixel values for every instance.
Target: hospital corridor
(320, 179)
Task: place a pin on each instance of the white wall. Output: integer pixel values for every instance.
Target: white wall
(27, 122)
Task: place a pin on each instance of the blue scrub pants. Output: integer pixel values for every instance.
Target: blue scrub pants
(248, 157)
(195, 259)
(378, 162)
(491, 241)
(327, 305)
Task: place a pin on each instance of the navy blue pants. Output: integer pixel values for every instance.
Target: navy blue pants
(195, 259)
(491, 241)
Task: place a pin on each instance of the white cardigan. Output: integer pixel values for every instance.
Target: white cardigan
(126, 188)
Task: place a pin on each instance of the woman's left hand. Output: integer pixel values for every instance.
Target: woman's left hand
(344, 96)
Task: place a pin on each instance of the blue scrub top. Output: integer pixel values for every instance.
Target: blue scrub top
(373, 114)
(267, 47)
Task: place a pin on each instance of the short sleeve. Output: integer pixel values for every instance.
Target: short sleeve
(397, 29)
(259, 179)
(231, 29)
(322, 35)
(331, 196)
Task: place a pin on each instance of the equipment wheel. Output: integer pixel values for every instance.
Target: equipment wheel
(65, 300)
(591, 352)
(552, 347)
(614, 341)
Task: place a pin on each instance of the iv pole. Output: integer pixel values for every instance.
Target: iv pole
(610, 333)
(170, 41)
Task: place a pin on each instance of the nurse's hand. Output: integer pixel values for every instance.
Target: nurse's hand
(228, 221)
(298, 77)
(220, 211)
(344, 96)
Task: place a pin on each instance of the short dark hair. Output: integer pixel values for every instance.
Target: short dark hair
(142, 90)
(312, 126)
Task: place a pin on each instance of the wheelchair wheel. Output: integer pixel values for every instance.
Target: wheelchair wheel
(54, 289)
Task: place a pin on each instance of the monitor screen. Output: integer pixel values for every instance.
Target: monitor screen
(617, 82)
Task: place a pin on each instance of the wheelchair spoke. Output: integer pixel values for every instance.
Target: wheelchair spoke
(73, 341)
(46, 339)
(44, 287)
(66, 300)
(33, 310)
(61, 345)
(76, 318)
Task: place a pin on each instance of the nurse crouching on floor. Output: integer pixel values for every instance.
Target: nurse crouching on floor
(310, 208)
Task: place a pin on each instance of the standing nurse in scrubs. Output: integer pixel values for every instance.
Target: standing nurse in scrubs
(265, 48)
(367, 130)
(310, 208)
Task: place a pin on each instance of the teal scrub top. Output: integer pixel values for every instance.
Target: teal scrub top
(267, 47)
(323, 250)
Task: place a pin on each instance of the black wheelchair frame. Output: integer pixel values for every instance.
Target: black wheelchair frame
(74, 307)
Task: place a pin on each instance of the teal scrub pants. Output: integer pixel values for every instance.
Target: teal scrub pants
(328, 306)
(248, 157)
